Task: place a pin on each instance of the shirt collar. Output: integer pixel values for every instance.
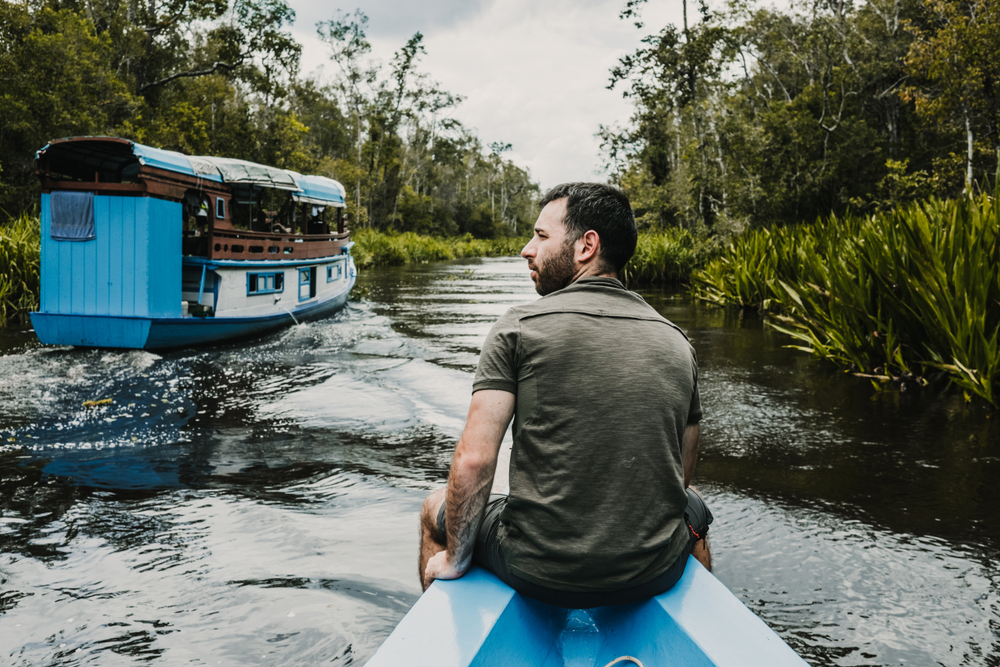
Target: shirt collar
(593, 281)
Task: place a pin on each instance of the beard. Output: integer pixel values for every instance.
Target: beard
(556, 272)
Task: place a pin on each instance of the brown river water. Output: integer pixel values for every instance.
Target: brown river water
(256, 503)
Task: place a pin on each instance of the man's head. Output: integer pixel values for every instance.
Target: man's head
(583, 229)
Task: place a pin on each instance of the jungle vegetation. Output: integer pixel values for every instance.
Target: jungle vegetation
(751, 116)
(221, 77)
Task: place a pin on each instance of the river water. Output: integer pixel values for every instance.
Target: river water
(256, 503)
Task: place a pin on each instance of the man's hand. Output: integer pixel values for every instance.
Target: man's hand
(438, 567)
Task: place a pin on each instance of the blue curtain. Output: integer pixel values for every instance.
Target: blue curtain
(72, 216)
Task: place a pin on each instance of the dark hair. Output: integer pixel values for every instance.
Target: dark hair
(606, 210)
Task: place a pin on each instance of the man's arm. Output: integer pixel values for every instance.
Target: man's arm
(470, 481)
(689, 452)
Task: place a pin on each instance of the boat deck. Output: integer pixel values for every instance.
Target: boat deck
(477, 620)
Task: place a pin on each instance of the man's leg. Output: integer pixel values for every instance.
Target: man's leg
(429, 536)
(703, 553)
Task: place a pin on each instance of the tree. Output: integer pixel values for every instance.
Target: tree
(350, 50)
(56, 82)
(763, 116)
(398, 117)
(955, 69)
(675, 82)
(220, 77)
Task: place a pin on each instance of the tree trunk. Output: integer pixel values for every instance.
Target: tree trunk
(357, 182)
(968, 160)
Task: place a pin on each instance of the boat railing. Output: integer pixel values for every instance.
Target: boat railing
(263, 246)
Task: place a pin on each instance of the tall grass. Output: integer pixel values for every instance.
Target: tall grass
(663, 257)
(373, 248)
(19, 269)
(901, 294)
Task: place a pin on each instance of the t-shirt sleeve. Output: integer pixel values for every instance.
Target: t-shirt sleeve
(498, 362)
(694, 412)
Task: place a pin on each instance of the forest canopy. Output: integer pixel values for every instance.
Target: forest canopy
(750, 115)
(745, 115)
(221, 77)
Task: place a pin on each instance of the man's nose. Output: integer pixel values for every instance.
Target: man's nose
(528, 250)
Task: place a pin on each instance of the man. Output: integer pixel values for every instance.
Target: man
(604, 396)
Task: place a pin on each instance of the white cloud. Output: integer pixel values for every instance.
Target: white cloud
(534, 73)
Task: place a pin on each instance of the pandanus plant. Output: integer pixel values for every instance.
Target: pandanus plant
(902, 294)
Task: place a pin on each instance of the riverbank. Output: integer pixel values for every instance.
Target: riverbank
(662, 257)
(665, 257)
(900, 296)
(372, 248)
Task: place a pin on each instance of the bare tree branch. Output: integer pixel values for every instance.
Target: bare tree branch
(182, 75)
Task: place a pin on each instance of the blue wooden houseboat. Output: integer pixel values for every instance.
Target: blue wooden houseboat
(153, 249)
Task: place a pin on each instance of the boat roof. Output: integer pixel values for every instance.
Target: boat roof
(114, 154)
(317, 189)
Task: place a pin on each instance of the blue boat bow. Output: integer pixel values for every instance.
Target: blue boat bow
(479, 621)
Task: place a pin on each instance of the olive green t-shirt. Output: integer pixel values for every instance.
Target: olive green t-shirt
(605, 387)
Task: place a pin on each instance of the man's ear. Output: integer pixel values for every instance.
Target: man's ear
(588, 247)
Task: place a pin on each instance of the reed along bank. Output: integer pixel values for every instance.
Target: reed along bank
(902, 295)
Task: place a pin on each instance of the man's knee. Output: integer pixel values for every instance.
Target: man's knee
(699, 517)
(697, 514)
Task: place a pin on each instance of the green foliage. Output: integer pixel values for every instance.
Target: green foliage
(373, 248)
(900, 185)
(896, 295)
(756, 116)
(746, 273)
(954, 66)
(220, 77)
(663, 257)
(19, 269)
(413, 166)
(56, 82)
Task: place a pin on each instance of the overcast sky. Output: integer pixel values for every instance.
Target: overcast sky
(533, 72)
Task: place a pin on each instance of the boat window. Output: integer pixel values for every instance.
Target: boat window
(303, 284)
(307, 283)
(333, 272)
(244, 207)
(265, 283)
(220, 208)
